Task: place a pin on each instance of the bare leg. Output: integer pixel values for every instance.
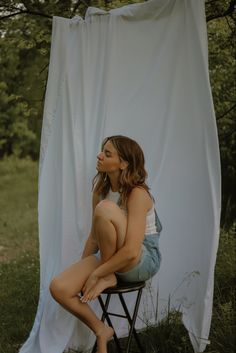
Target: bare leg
(109, 225)
(109, 228)
(65, 288)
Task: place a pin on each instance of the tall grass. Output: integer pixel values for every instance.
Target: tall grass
(223, 326)
(19, 274)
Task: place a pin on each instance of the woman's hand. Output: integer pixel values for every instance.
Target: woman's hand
(88, 288)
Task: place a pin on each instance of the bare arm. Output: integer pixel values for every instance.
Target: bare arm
(91, 245)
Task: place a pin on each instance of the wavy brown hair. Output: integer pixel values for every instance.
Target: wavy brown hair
(134, 175)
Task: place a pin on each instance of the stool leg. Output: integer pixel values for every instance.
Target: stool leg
(106, 316)
(104, 310)
(132, 321)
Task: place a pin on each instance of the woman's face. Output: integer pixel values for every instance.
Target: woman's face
(108, 160)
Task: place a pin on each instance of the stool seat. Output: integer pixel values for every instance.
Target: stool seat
(123, 287)
(120, 289)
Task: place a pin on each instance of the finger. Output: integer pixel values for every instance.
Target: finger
(84, 299)
(85, 291)
(94, 295)
(89, 296)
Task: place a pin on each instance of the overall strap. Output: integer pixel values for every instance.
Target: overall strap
(157, 220)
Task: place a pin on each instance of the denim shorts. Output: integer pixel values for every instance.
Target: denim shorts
(148, 264)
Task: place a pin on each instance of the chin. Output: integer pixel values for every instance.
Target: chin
(99, 169)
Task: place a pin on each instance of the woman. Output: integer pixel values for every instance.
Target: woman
(123, 242)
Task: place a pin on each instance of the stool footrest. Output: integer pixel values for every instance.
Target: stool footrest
(118, 315)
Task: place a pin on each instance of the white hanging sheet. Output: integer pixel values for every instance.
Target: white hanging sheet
(141, 71)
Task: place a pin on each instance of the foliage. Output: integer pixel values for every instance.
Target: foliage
(25, 35)
(219, 8)
(25, 50)
(222, 72)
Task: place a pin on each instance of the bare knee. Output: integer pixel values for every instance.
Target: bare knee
(57, 289)
(54, 288)
(106, 209)
(107, 213)
(103, 217)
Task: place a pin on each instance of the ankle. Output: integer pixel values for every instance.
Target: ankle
(105, 331)
(99, 331)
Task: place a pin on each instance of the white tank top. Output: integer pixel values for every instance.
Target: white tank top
(150, 220)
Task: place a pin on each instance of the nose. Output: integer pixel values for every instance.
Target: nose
(100, 156)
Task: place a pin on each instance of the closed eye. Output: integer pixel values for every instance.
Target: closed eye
(107, 153)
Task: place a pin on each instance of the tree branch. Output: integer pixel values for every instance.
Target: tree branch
(227, 111)
(44, 68)
(75, 8)
(225, 136)
(229, 25)
(210, 2)
(11, 15)
(228, 12)
(26, 12)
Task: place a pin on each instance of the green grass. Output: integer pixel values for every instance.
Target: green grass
(18, 205)
(19, 267)
(223, 326)
(19, 274)
(18, 300)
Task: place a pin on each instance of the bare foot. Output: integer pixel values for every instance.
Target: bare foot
(103, 283)
(103, 337)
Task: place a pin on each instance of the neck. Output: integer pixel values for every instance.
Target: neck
(114, 182)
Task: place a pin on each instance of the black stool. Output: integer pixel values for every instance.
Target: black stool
(120, 289)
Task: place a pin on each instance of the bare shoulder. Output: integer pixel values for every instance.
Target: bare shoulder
(139, 197)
